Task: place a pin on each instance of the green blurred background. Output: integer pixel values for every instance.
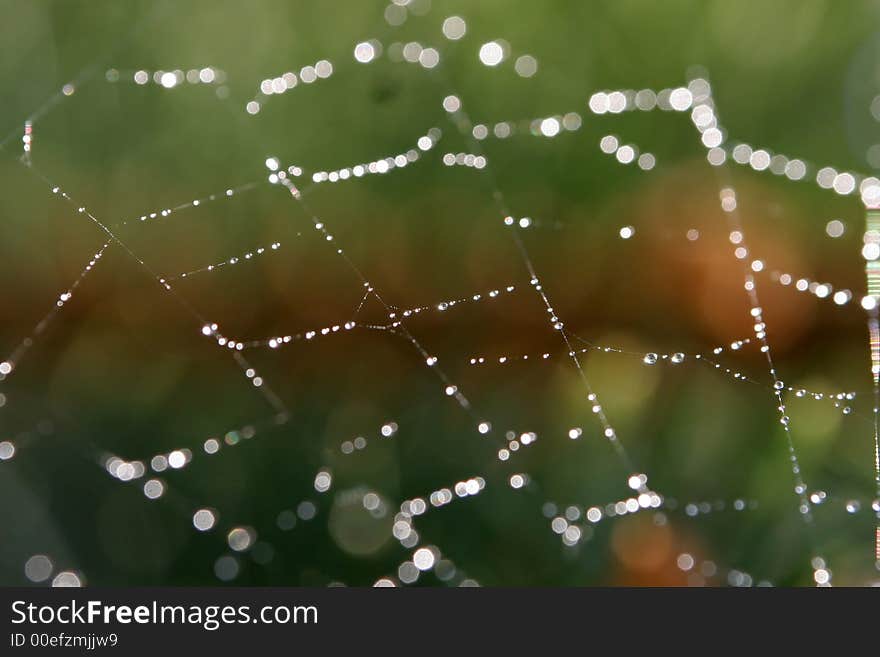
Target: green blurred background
(125, 370)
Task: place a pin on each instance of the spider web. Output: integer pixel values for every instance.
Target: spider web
(366, 396)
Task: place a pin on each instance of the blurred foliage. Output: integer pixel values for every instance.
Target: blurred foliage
(123, 370)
